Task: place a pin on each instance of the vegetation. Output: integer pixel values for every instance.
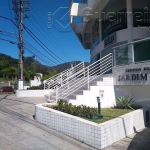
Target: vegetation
(9, 68)
(80, 111)
(49, 74)
(41, 87)
(89, 113)
(125, 102)
(110, 113)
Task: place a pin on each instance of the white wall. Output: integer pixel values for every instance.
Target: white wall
(97, 135)
(140, 93)
(89, 96)
(77, 9)
(32, 93)
(35, 83)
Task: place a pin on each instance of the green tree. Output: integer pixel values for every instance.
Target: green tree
(29, 74)
(9, 73)
(49, 74)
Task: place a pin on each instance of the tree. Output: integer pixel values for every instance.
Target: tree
(28, 74)
(9, 73)
(49, 74)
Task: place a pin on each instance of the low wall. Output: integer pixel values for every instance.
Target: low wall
(32, 93)
(97, 135)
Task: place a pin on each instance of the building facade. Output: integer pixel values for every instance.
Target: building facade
(120, 27)
(102, 25)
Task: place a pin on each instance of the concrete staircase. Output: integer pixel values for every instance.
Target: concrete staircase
(101, 85)
(83, 86)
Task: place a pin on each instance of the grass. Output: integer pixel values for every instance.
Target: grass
(110, 113)
(107, 113)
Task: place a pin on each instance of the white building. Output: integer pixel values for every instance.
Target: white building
(37, 80)
(120, 27)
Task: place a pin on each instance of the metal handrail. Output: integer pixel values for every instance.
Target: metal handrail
(84, 77)
(137, 41)
(62, 77)
(131, 48)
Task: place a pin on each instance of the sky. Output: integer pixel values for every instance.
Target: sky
(47, 29)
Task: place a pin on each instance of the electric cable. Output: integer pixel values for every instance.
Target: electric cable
(49, 40)
(43, 45)
(50, 34)
(37, 51)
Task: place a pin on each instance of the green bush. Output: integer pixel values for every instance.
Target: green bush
(41, 87)
(125, 102)
(81, 111)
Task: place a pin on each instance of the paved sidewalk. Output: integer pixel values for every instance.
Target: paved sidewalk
(19, 131)
(137, 141)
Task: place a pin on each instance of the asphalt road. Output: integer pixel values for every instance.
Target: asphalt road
(19, 130)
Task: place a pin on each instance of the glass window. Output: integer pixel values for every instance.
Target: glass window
(142, 51)
(95, 58)
(141, 13)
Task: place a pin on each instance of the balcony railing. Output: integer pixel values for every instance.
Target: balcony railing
(133, 52)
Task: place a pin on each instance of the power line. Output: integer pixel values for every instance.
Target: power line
(37, 51)
(49, 40)
(11, 15)
(9, 20)
(32, 52)
(11, 34)
(43, 45)
(12, 42)
(50, 34)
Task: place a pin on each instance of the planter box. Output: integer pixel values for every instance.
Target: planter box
(97, 135)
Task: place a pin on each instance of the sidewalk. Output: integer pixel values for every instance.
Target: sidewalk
(138, 141)
(19, 130)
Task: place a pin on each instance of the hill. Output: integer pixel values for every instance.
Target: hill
(30, 63)
(67, 65)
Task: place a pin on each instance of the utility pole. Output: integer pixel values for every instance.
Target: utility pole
(19, 7)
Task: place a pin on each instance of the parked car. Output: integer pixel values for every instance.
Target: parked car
(6, 89)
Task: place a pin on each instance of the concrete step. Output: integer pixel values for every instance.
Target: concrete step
(94, 83)
(78, 92)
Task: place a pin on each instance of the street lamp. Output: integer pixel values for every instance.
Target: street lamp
(99, 106)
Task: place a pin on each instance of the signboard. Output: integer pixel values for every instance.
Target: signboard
(101, 94)
(114, 17)
(111, 39)
(95, 34)
(135, 74)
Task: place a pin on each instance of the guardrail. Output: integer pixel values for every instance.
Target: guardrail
(82, 78)
(126, 54)
(61, 78)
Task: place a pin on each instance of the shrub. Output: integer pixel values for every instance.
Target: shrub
(40, 87)
(81, 111)
(124, 102)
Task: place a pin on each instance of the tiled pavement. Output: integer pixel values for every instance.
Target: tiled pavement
(19, 130)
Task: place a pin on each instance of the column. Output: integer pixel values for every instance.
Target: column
(130, 30)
